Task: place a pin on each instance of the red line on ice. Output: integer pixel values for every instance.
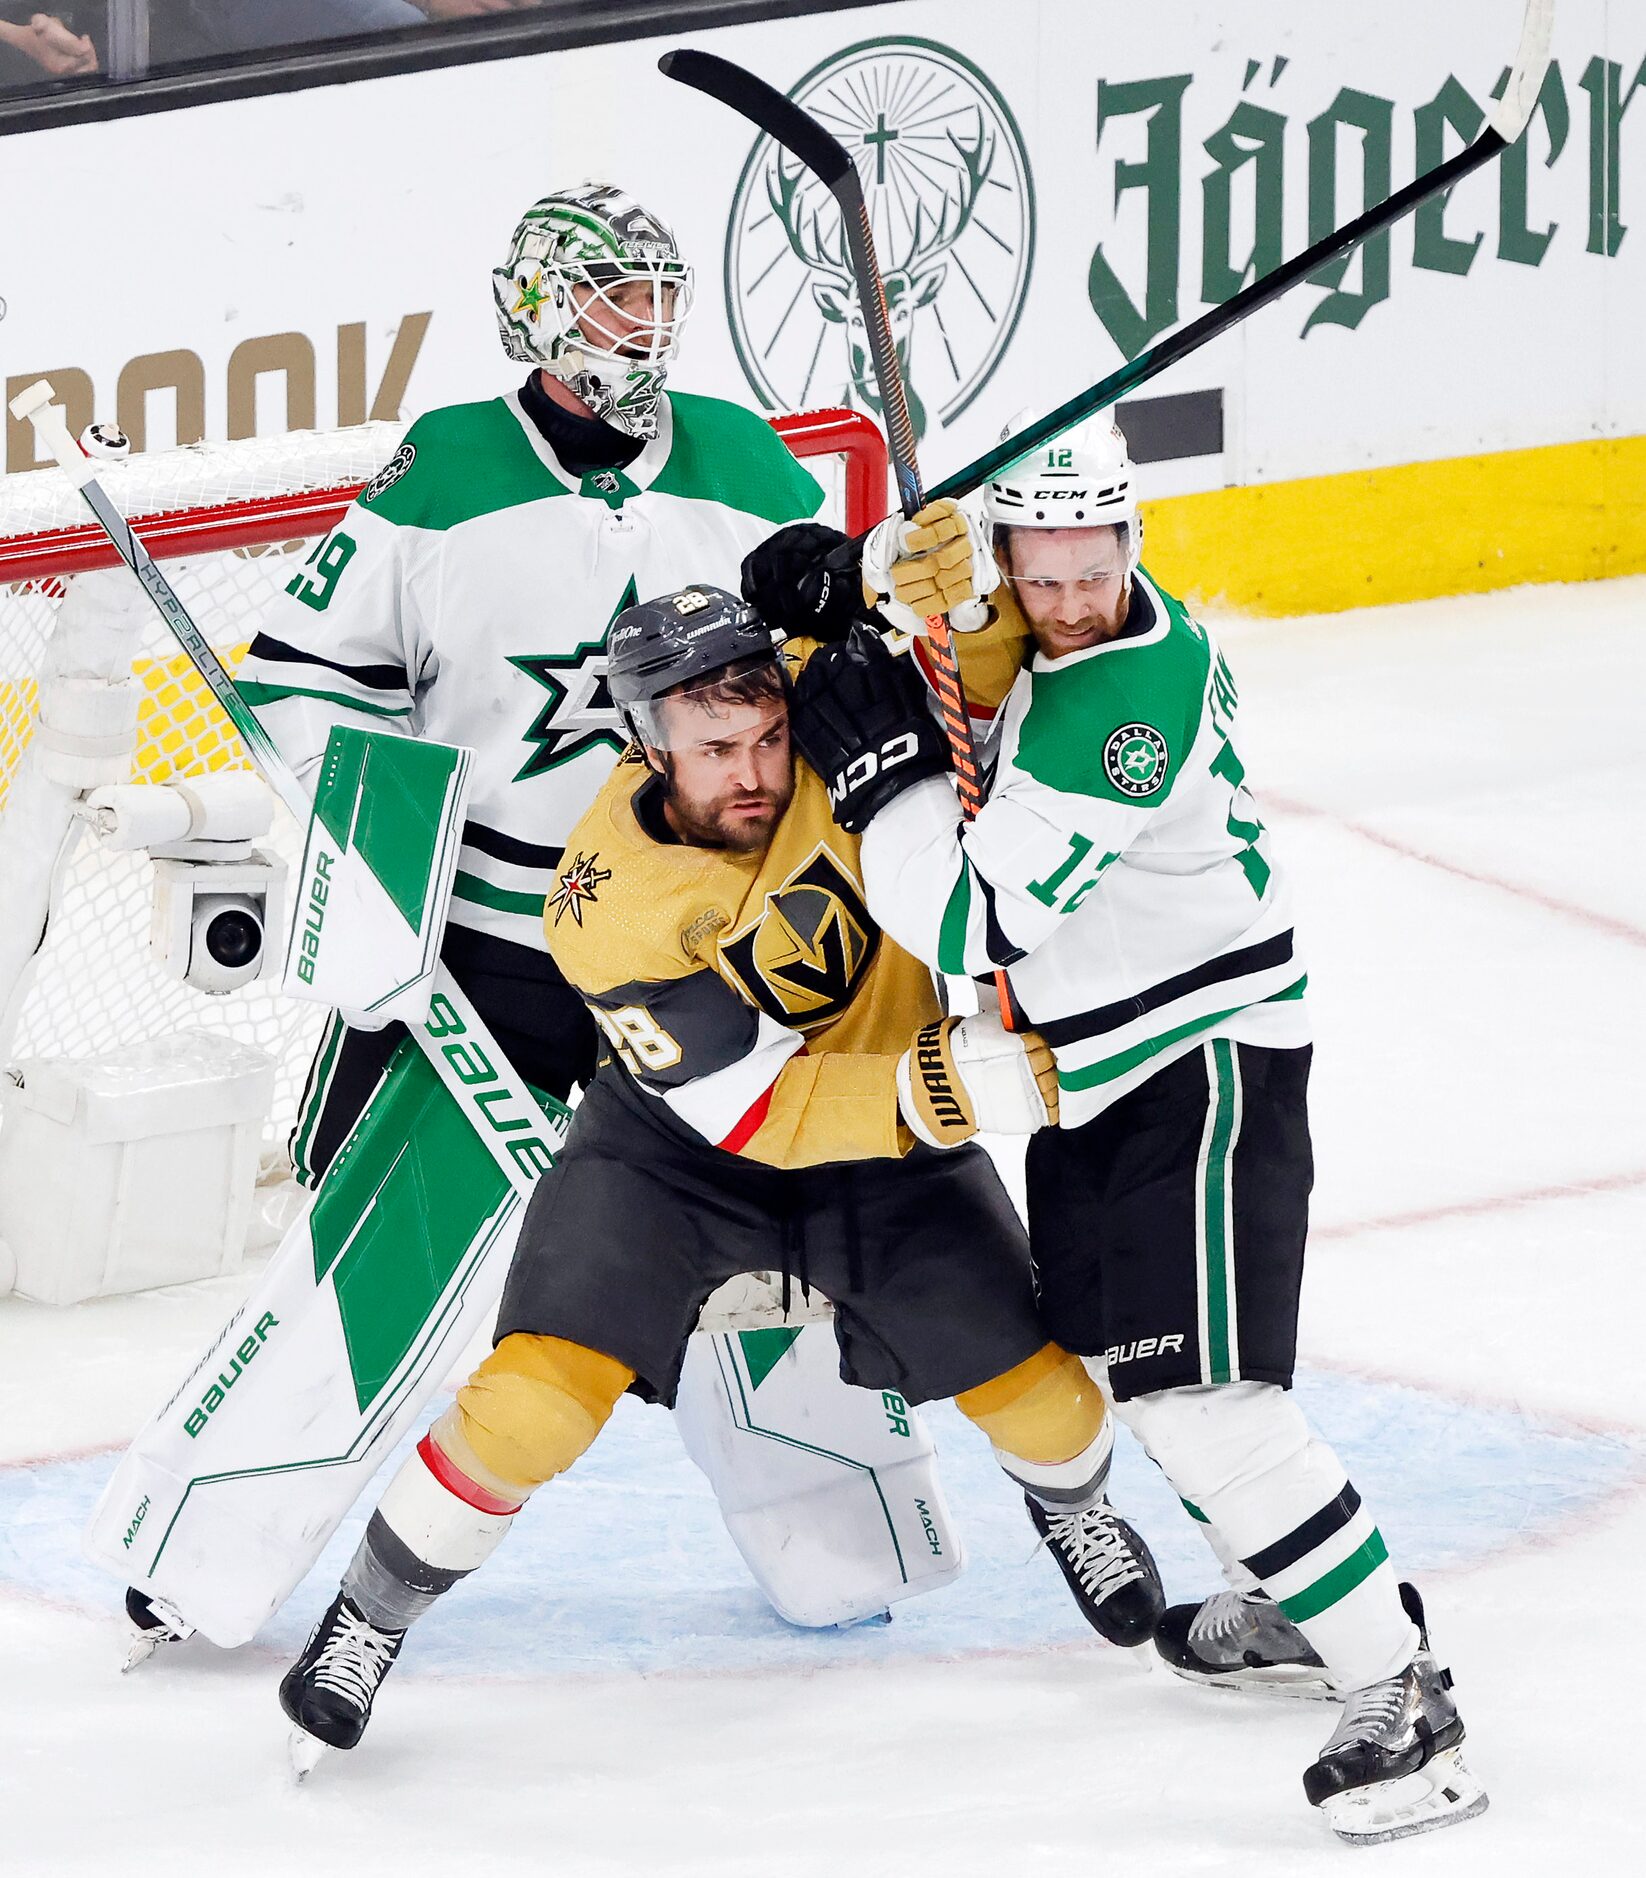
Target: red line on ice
(1602, 922)
(1490, 1203)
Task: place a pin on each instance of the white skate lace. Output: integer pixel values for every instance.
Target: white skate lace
(1096, 1549)
(1224, 1612)
(354, 1659)
(1371, 1714)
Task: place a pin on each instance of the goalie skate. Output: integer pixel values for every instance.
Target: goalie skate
(153, 1622)
(1241, 1640)
(1392, 1767)
(328, 1692)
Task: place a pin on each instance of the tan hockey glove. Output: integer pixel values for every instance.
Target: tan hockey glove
(937, 562)
(969, 1075)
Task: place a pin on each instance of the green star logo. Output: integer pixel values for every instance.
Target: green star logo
(578, 715)
(532, 296)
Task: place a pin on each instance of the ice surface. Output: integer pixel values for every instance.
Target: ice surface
(1457, 787)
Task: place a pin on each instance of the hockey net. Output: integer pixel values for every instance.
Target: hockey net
(230, 522)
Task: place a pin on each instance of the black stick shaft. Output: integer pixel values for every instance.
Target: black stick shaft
(1190, 338)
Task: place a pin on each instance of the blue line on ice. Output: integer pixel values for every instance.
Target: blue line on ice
(624, 1563)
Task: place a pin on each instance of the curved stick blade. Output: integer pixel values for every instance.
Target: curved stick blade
(761, 104)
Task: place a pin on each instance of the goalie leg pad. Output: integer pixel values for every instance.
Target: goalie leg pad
(1045, 1411)
(534, 1406)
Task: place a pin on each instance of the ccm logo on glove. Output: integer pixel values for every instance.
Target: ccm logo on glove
(862, 768)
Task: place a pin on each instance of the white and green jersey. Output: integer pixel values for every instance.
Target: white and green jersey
(1118, 867)
(466, 596)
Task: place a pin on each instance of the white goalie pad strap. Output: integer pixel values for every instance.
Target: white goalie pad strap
(433, 1523)
(231, 805)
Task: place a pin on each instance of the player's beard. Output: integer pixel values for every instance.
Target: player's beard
(741, 820)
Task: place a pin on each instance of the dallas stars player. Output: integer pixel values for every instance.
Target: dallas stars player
(750, 1115)
(466, 596)
(1120, 874)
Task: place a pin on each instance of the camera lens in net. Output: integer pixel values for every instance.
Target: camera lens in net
(234, 938)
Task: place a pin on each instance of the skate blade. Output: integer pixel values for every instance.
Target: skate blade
(305, 1752)
(1444, 1793)
(142, 1644)
(1296, 1682)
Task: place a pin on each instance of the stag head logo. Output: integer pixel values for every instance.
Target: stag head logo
(946, 180)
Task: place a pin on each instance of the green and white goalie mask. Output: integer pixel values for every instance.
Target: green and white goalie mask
(1082, 479)
(594, 290)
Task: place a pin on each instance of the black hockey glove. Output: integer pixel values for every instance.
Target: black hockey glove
(860, 718)
(806, 579)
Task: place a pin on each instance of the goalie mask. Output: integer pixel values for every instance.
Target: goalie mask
(595, 292)
(1082, 479)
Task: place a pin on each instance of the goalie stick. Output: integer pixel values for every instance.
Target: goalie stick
(459, 1047)
(1507, 118)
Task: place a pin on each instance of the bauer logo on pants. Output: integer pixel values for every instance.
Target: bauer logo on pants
(946, 178)
(1134, 759)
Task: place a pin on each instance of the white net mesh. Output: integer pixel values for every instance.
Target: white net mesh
(96, 988)
(231, 522)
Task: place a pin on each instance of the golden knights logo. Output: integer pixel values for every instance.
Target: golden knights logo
(802, 957)
(578, 887)
(946, 178)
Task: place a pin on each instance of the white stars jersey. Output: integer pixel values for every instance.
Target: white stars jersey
(466, 596)
(1119, 868)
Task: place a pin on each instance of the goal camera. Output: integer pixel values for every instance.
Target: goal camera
(212, 920)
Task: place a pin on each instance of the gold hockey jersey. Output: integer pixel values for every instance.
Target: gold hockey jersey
(750, 996)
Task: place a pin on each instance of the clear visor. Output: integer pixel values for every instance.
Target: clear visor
(1096, 575)
(633, 312)
(740, 703)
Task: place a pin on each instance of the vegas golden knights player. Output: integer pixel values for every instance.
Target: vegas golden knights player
(780, 1093)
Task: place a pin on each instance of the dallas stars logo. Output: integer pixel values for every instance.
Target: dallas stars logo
(578, 887)
(578, 714)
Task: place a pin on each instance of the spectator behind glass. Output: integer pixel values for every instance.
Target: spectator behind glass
(254, 25)
(35, 47)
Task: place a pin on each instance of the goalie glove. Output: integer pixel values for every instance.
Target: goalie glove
(860, 718)
(804, 580)
(968, 1075)
(939, 561)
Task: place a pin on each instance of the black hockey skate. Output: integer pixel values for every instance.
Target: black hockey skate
(1108, 1568)
(1241, 1640)
(1392, 1767)
(329, 1690)
(153, 1623)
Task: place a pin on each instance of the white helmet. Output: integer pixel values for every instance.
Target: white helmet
(1081, 480)
(594, 236)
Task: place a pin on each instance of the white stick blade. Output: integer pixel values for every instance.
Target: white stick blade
(32, 398)
(1510, 114)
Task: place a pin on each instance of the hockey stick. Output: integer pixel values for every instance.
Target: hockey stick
(1507, 117)
(800, 134)
(454, 1038)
